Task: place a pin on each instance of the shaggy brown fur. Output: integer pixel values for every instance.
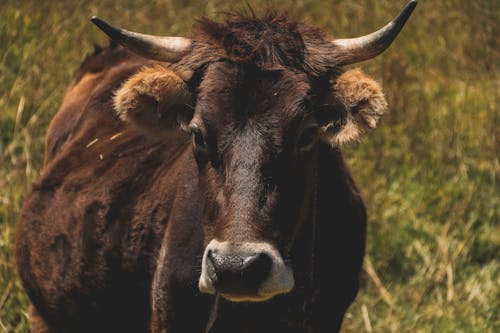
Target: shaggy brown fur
(150, 99)
(271, 41)
(364, 104)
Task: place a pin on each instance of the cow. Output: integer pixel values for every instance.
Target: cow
(197, 184)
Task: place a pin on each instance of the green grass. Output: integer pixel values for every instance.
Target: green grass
(428, 174)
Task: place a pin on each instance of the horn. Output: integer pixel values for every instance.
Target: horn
(353, 50)
(169, 49)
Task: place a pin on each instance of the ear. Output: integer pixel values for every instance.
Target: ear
(353, 108)
(155, 101)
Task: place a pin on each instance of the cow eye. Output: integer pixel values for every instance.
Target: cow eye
(198, 139)
(307, 138)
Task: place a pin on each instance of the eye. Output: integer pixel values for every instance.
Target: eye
(307, 138)
(198, 138)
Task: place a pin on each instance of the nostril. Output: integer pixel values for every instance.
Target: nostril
(210, 254)
(257, 267)
(214, 258)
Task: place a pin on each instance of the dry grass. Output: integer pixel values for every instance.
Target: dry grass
(429, 173)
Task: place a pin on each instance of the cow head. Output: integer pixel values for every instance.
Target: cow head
(257, 96)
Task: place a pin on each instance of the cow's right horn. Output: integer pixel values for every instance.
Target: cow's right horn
(169, 49)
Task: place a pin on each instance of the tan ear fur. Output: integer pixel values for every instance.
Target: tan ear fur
(155, 101)
(359, 104)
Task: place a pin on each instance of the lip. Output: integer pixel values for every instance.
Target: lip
(247, 298)
(260, 296)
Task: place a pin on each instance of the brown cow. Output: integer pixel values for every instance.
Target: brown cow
(253, 225)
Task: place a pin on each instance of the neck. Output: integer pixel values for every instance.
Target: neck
(303, 246)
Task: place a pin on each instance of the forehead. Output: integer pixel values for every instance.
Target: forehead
(231, 92)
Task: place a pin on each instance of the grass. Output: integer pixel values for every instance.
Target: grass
(428, 174)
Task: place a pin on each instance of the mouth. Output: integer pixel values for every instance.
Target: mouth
(260, 296)
(233, 296)
(246, 298)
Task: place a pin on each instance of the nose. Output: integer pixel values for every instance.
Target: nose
(238, 274)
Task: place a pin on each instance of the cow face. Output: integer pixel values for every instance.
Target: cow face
(254, 136)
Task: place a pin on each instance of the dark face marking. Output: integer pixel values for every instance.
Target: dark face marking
(254, 138)
(252, 132)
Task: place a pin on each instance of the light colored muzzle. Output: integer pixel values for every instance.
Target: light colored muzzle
(244, 271)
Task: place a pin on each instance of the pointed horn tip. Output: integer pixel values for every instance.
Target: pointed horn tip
(96, 20)
(113, 32)
(99, 22)
(406, 12)
(412, 4)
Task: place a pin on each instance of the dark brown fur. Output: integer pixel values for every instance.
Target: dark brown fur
(270, 42)
(110, 202)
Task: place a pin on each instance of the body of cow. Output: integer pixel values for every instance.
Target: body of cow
(115, 233)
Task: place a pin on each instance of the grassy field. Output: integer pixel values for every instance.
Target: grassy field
(429, 174)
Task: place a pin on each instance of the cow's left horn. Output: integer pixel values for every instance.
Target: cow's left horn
(352, 50)
(169, 49)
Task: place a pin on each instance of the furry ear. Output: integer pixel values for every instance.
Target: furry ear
(352, 109)
(155, 101)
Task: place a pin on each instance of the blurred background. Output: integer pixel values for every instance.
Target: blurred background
(429, 173)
